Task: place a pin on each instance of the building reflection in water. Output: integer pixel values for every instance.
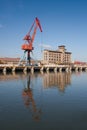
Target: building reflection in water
(29, 101)
(10, 76)
(60, 80)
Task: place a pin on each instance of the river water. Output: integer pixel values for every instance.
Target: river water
(43, 101)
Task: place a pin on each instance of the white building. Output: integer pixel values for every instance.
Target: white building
(59, 56)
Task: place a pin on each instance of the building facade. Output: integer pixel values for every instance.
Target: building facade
(15, 61)
(60, 56)
(7, 60)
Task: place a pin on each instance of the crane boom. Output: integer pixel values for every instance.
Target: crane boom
(28, 47)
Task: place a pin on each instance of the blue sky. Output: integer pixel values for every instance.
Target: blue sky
(64, 22)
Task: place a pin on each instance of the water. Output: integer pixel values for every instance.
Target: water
(47, 101)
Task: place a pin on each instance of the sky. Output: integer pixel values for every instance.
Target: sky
(64, 22)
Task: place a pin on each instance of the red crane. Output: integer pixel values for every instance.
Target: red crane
(28, 46)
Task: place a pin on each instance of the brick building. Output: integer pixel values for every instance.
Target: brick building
(7, 60)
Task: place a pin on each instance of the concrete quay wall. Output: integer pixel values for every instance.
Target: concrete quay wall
(45, 68)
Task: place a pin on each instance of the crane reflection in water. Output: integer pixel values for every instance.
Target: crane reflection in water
(29, 100)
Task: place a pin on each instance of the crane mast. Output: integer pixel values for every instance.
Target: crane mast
(28, 45)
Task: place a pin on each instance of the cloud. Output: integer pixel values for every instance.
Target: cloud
(45, 46)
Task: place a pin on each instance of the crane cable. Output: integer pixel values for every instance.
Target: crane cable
(41, 48)
(41, 42)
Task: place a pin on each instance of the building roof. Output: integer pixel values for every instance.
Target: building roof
(57, 51)
(9, 59)
(61, 46)
(68, 52)
(53, 51)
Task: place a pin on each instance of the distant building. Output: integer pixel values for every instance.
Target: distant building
(59, 56)
(7, 60)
